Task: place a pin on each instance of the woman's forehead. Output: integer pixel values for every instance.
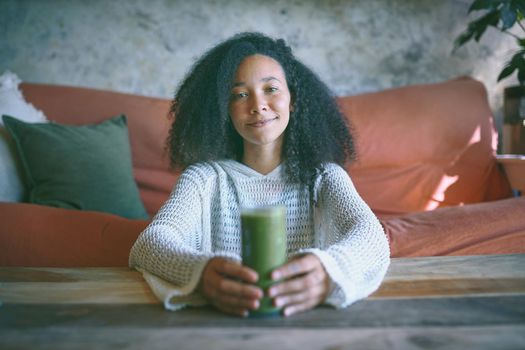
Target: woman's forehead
(259, 66)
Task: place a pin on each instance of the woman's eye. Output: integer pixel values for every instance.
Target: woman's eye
(239, 95)
(271, 89)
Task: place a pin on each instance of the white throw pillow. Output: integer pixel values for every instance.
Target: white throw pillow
(12, 103)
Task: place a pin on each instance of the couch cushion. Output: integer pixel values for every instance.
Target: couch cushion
(148, 125)
(422, 147)
(71, 238)
(81, 167)
(496, 227)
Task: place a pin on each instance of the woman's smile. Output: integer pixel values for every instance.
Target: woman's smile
(262, 122)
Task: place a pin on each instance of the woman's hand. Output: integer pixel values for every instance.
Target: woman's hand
(228, 285)
(306, 284)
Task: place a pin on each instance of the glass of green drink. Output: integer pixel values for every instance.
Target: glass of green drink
(264, 248)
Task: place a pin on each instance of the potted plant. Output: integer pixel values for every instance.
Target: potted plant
(503, 15)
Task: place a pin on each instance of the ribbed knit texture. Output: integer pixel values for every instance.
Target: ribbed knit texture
(201, 220)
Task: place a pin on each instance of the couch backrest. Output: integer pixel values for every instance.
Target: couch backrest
(425, 146)
(419, 147)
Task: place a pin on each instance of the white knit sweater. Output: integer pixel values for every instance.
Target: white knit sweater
(201, 220)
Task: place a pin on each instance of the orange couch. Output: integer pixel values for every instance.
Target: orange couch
(426, 165)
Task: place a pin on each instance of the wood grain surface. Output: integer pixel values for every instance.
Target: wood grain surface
(193, 338)
(424, 303)
(406, 278)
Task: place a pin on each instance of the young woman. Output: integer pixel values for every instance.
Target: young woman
(253, 127)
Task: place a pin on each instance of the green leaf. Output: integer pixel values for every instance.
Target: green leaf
(519, 7)
(517, 62)
(462, 39)
(476, 28)
(481, 24)
(508, 70)
(521, 77)
(508, 16)
(518, 59)
(483, 5)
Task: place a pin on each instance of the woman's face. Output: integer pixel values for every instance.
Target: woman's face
(260, 101)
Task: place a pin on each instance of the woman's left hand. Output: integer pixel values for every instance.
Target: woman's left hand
(305, 284)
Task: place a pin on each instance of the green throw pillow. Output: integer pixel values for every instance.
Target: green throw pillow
(84, 167)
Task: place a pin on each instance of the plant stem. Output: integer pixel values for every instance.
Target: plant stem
(509, 33)
(521, 25)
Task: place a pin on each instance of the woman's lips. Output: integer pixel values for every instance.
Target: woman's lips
(261, 123)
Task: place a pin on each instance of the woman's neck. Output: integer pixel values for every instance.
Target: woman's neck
(262, 159)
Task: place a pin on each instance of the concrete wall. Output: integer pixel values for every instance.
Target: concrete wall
(146, 46)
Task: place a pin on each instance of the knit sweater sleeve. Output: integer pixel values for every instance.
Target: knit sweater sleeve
(173, 250)
(352, 245)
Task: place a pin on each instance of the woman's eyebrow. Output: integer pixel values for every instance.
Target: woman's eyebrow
(270, 78)
(264, 80)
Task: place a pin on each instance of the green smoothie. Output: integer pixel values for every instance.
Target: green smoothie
(264, 248)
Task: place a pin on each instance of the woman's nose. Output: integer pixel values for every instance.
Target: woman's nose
(258, 105)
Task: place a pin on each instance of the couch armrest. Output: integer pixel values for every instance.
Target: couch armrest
(514, 166)
(38, 235)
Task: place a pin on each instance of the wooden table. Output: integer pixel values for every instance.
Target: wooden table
(475, 302)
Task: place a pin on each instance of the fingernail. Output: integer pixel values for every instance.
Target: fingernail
(277, 302)
(256, 304)
(271, 292)
(276, 275)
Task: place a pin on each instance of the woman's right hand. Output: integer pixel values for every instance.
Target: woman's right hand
(228, 285)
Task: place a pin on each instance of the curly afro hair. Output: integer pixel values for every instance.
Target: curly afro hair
(202, 129)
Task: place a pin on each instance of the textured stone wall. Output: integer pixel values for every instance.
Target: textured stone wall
(146, 46)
